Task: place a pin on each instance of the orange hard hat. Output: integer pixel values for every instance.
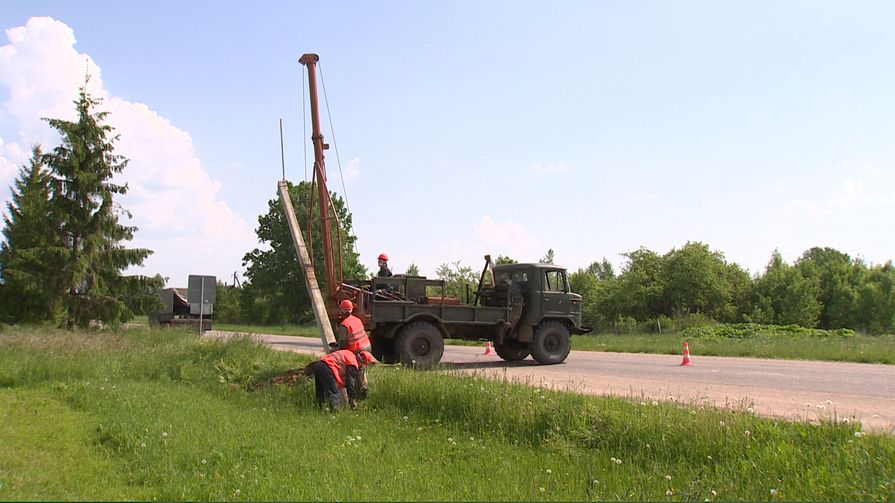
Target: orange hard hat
(346, 305)
(383, 256)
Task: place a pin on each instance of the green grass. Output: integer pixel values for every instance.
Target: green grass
(720, 340)
(857, 348)
(143, 414)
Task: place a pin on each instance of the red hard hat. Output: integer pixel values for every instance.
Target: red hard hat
(346, 305)
(383, 256)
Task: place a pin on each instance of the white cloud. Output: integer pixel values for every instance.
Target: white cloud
(852, 194)
(549, 168)
(171, 195)
(506, 238)
(352, 170)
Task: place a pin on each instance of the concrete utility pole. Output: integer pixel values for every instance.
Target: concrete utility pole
(301, 251)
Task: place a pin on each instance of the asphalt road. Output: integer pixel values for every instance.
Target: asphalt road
(790, 389)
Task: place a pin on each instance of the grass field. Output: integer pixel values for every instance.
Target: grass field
(164, 415)
(855, 348)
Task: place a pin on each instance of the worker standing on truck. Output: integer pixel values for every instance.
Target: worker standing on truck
(353, 337)
(384, 271)
(337, 371)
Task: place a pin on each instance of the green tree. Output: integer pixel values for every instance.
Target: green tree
(875, 305)
(548, 258)
(697, 281)
(31, 253)
(456, 277)
(503, 259)
(82, 202)
(412, 270)
(784, 296)
(838, 280)
(641, 287)
(602, 270)
(275, 290)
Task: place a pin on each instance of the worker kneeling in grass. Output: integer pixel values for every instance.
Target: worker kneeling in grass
(336, 371)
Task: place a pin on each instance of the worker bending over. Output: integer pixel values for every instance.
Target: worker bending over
(353, 337)
(336, 371)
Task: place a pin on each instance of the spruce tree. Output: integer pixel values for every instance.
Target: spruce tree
(82, 201)
(31, 252)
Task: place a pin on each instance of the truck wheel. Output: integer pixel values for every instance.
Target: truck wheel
(512, 351)
(419, 343)
(383, 349)
(551, 343)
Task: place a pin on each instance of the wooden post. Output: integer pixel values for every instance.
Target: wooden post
(301, 251)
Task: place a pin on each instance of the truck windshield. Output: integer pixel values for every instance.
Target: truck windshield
(556, 281)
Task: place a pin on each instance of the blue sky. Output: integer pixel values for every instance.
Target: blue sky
(466, 128)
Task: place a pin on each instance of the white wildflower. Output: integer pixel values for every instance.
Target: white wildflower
(541, 489)
(747, 433)
(773, 492)
(549, 471)
(668, 477)
(714, 493)
(655, 403)
(750, 410)
(669, 492)
(204, 462)
(164, 434)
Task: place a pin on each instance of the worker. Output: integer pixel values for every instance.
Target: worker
(353, 337)
(337, 371)
(384, 271)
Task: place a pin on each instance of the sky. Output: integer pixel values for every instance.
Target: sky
(464, 128)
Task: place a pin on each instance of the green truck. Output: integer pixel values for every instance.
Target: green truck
(523, 308)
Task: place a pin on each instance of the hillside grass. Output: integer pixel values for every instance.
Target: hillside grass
(746, 340)
(165, 415)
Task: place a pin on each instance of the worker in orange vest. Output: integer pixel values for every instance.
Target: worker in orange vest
(353, 337)
(336, 371)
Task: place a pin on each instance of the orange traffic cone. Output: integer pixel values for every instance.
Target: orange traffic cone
(686, 361)
(488, 349)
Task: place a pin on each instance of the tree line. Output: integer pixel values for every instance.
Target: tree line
(824, 288)
(63, 252)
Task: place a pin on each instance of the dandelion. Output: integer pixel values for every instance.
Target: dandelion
(472, 439)
(237, 492)
(406, 418)
(451, 439)
(723, 424)
(647, 446)
(820, 407)
(807, 405)
(747, 433)
(618, 461)
(204, 462)
(668, 477)
(750, 410)
(164, 434)
(642, 404)
(669, 492)
(612, 460)
(714, 493)
(710, 458)
(655, 403)
(773, 492)
(541, 489)
(549, 471)
(859, 433)
(845, 420)
(829, 402)
(143, 444)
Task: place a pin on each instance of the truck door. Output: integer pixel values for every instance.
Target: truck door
(555, 295)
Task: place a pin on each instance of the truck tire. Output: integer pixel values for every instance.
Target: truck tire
(383, 349)
(551, 342)
(420, 344)
(512, 351)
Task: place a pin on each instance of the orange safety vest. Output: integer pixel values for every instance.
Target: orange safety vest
(357, 336)
(338, 362)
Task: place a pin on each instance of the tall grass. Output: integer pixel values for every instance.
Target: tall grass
(166, 415)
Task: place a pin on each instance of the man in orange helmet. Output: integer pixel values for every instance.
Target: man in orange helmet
(353, 337)
(335, 372)
(384, 272)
